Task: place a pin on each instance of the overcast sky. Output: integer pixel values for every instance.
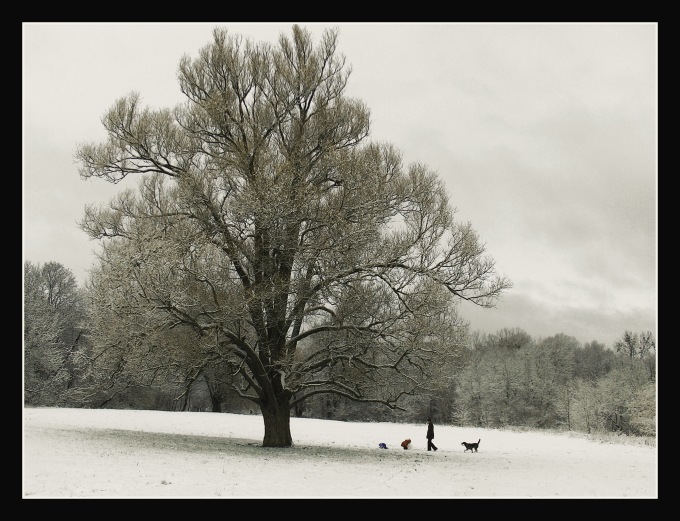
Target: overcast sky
(545, 135)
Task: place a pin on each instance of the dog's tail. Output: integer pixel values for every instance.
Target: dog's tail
(480, 439)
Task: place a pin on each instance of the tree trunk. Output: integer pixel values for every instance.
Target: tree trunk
(277, 425)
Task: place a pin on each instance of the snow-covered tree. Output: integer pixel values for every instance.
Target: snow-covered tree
(53, 315)
(305, 258)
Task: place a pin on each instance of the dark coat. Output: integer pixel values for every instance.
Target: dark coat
(430, 431)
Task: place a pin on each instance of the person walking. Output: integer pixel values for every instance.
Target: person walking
(430, 435)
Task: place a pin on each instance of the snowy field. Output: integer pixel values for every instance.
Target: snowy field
(85, 453)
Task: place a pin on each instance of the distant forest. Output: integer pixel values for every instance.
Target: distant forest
(504, 380)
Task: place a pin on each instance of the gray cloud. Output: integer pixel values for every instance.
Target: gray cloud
(543, 319)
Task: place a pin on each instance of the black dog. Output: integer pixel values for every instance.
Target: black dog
(472, 447)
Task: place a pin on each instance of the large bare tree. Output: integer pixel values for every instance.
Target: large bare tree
(305, 258)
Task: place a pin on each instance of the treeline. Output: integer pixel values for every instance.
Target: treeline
(510, 379)
(506, 379)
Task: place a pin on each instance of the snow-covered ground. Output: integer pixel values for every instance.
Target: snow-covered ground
(85, 453)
